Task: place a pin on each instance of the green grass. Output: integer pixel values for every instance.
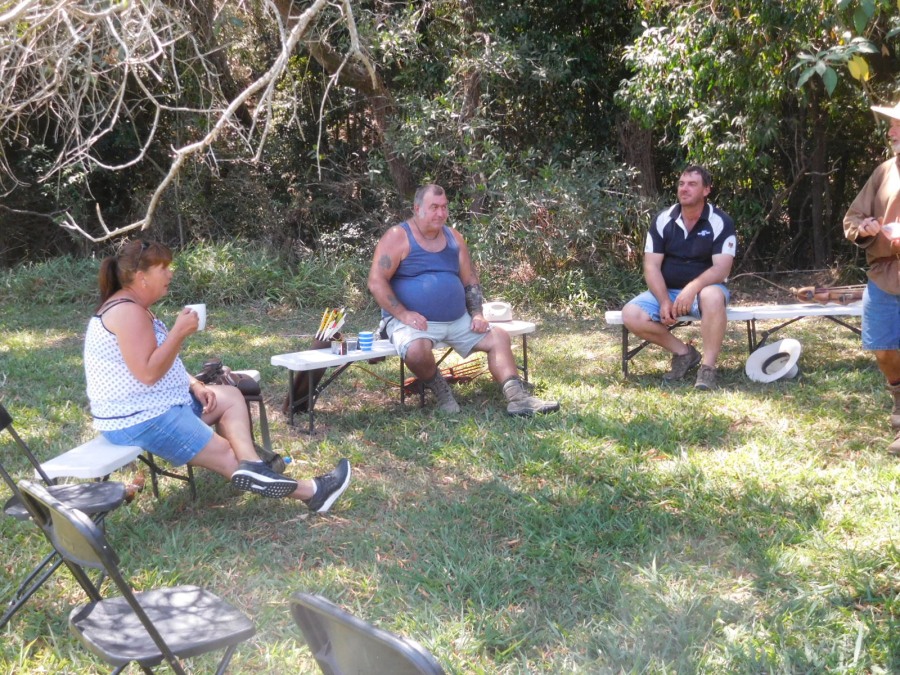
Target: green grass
(646, 528)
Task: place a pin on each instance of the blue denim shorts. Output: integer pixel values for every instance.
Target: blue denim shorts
(880, 319)
(648, 302)
(177, 435)
(458, 334)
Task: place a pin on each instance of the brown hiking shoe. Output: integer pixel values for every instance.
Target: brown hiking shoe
(442, 394)
(706, 378)
(522, 404)
(682, 363)
(894, 447)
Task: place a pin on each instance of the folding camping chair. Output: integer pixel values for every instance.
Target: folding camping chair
(345, 645)
(94, 499)
(148, 627)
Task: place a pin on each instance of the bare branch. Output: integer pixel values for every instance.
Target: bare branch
(79, 70)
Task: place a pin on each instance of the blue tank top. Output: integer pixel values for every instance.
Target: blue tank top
(429, 283)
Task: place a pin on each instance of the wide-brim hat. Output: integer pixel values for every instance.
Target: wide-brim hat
(773, 361)
(497, 311)
(891, 112)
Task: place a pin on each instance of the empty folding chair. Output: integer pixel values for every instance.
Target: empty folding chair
(147, 627)
(342, 644)
(94, 499)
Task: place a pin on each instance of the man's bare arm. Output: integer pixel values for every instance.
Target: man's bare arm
(654, 278)
(472, 286)
(474, 299)
(390, 250)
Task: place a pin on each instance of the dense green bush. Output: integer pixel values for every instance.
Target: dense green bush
(65, 279)
(237, 272)
(571, 235)
(245, 272)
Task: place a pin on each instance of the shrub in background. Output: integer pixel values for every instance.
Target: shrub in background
(65, 280)
(218, 274)
(571, 236)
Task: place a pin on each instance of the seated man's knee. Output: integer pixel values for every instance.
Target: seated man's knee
(712, 298)
(501, 339)
(494, 340)
(633, 315)
(419, 350)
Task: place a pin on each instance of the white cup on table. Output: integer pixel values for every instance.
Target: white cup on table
(201, 314)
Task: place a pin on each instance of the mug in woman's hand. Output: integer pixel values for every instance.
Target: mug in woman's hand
(201, 314)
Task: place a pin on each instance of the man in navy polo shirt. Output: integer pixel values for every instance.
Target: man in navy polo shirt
(687, 258)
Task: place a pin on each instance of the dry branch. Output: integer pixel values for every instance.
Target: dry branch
(80, 70)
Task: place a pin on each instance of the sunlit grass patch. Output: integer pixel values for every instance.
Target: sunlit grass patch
(646, 527)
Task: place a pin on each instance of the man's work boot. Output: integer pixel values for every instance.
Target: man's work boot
(895, 413)
(894, 447)
(521, 403)
(706, 378)
(682, 363)
(441, 390)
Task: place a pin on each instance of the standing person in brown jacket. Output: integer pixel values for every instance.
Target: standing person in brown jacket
(873, 223)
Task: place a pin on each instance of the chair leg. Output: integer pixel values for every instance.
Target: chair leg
(31, 584)
(156, 470)
(263, 420)
(226, 659)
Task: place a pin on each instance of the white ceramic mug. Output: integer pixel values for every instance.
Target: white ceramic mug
(201, 314)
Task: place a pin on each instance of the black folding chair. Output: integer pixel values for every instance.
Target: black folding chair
(343, 644)
(148, 627)
(94, 499)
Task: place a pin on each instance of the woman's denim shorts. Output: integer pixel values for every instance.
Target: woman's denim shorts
(177, 435)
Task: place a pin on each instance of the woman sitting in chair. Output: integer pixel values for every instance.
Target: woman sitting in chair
(141, 394)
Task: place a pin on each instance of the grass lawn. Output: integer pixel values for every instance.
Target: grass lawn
(645, 528)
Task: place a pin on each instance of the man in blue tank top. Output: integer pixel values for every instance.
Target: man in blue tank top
(423, 278)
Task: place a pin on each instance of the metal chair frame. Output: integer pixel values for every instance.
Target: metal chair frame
(95, 499)
(148, 627)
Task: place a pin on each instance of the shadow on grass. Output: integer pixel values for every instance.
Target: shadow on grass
(614, 535)
(585, 566)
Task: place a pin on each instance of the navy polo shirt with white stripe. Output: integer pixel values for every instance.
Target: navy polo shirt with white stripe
(689, 254)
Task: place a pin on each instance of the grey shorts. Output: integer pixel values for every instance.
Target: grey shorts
(458, 334)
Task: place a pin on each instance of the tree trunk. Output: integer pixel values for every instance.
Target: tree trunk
(201, 13)
(472, 104)
(636, 145)
(370, 85)
(818, 172)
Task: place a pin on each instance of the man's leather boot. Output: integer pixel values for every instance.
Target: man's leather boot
(894, 447)
(441, 390)
(521, 403)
